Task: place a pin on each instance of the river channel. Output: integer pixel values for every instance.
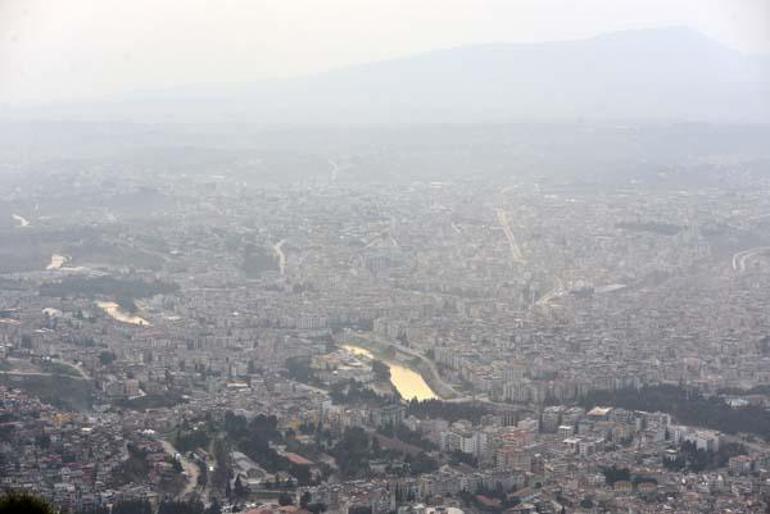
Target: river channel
(407, 382)
(116, 313)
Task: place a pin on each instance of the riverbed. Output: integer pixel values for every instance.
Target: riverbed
(57, 261)
(21, 220)
(278, 250)
(118, 314)
(407, 382)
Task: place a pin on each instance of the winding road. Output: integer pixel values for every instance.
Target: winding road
(740, 258)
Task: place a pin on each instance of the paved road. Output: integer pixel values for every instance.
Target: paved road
(502, 218)
(190, 468)
(31, 374)
(277, 248)
(740, 258)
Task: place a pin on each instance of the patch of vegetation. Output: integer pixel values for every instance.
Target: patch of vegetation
(421, 463)
(132, 507)
(447, 410)
(494, 500)
(29, 250)
(254, 437)
(16, 502)
(353, 392)
(127, 304)
(118, 288)
(257, 260)
(150, 401)
(760, 389)
(458, 457)
(299, 369)
(189, 440)
(407, 435)
(614, 474)
(664, 229)
(381, 370)
(353, 452)
(59, 368)
(65, 392)
(688, 407)
(192, 506)
(690, 458)
(97, 249)
(106, 358)
(134, 469)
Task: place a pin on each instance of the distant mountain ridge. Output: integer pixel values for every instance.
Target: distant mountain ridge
(659, 74)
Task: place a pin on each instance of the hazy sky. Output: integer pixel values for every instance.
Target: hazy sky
(73, 49)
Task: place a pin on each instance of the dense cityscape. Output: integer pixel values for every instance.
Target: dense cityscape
(519, 343)
(384, 257)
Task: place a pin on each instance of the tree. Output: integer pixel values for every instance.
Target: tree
(381, 370)
(180, 507)
(316, 508)
(221, 477)
(239, 489)
(615, 474)
(132, 507)
(127, 303)
(449, 411)
(106, 358)
(189, 440)
(96, 510)
(203, 474)
(423, 463)
(352, 453)
(43, 441)
(284, 500)
(14, 503)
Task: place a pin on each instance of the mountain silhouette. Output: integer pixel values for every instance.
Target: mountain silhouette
(671, 74)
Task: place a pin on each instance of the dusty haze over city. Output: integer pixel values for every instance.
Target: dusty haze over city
(384, 257)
